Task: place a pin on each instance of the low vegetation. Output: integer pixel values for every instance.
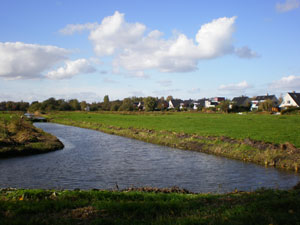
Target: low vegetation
(148, 206)
(20, 137)
(271, 140)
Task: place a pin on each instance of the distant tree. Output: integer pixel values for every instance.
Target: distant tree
(115, 105)
(83, 105)
(224, 106)
(127, 105)
(64, 106)
(106, 103)
(49, 105)
(266, 105)
(74, 103)
(170, 97)
(150, 103)
(94, 106)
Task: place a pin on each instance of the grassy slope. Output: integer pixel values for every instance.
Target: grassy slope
(108, 207)
(199, 132)
(269, 128)
(20, 137)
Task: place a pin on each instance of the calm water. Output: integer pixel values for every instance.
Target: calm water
(93, 159)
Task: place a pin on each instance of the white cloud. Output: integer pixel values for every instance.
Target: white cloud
(114, 33)
(24, 61)
(71, 69)
(135, 50)
(73, 28)
(288, 5)
(287, 83)
(246, 52)
(234, 87)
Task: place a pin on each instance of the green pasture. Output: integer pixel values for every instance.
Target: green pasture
(269, 128)
(110, 207)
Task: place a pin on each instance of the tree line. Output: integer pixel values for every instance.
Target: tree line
(52, 104)
(127, 104)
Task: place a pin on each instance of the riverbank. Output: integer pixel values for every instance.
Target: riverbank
(138, 126)
(19, 137)
(148, 206)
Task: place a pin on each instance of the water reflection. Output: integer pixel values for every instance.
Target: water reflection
(93, 159)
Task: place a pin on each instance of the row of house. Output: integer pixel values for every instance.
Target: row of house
(291, 99)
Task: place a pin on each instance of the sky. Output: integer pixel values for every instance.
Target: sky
(187, 49)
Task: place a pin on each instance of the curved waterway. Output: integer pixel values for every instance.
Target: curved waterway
(93, 159)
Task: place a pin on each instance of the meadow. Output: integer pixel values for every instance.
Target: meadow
(151, 207)
(264, 127)
(270, 140)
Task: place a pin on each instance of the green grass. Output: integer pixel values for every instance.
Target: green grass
(269, 128)
(20, 137)
(111, 207)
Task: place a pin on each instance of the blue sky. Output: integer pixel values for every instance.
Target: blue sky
(187, 49)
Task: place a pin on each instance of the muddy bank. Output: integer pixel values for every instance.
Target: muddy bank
(285, 156)
(19, 137)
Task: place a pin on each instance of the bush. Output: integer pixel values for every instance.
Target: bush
(291, 110)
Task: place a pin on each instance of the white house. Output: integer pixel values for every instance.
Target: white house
(174, 103)
(259, 99)
(291, 99)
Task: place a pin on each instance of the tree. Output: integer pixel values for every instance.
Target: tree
(127, 105)
(266, 105)
(150, 103)
(83, 105)
(74, 104)
(115, 105)
(224, 106)
(170, 97)
(106, 103)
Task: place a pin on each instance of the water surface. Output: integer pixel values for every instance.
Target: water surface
(93, 159)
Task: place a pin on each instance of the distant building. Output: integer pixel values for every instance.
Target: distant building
(185, 104)
(291, 99)
(259, 99)
(174, 103)
(199, 104)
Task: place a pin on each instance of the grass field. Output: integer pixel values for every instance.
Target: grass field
(20, 137)
(114, 207)
(269, 128)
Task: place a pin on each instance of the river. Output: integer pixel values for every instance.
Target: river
(93, 159)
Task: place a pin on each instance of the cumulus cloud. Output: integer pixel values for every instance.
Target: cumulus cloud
(22, 61)
(287, 83)
(246, 52)
(77, 28)
(288, 5)
(134, 49)
(234, 87)
(114, 33)
(71, 69)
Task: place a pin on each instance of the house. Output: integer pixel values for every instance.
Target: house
(291, 99)
(185, 104)
(259, 99)
(162, 104)
(218, 99)
(210, 104)
(199, 104)
(241, 103)
(174, 103)
(141, 106)
(87, 108)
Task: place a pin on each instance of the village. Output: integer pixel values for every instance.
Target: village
(237, 104)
